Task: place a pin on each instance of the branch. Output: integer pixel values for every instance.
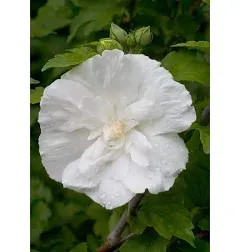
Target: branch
(114, 239)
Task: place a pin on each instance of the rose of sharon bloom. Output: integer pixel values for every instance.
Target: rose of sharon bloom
(109, 128)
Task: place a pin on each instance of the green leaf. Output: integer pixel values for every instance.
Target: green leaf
(82, 247)
(73, 57)
(201, 246)
(194, 142)
(36, 94)
(51, 16)
(207, 1)
(197, 185)
(40, 214)
(32, 81)
(137, 225)
(39, 191)
(203, 46)
(147, 242)
(204, 136)
(67, 212)
(168, 217)
(93, 243)
(101, 217)
(204, 223)
(94, 16)
(34, 110)
(185, 67)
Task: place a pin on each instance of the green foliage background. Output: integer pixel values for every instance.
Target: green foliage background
(177, 220)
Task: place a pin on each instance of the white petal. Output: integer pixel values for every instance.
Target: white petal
(61, 107)
(167, 158)
(95, 133)
(99, 108)
(147, 107)
(74, 179)
(138, 139)
(120, 167)
(138, 157)
(178, 114)
(113, 75)
(162, 185)
(58, 149)
(110, 194)
(92, 167)
(136, 179)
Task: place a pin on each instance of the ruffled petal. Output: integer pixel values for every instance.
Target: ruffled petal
(92, 167)
(113, 75)
(62, 108)
(99, 108)
(167, 158)
(64, 125)
(58, 149)
(175, 101)
(110, 194)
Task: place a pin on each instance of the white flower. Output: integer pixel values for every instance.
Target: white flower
(109, 128)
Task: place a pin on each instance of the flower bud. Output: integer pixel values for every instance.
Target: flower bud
(108, 44)
(131, 41)
(143, 36)
(117, 33)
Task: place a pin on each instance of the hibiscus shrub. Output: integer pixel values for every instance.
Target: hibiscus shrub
(68, 33)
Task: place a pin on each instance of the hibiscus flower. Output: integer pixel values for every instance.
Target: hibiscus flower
(109, 128)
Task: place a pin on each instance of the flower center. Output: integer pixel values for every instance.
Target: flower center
(114, 130)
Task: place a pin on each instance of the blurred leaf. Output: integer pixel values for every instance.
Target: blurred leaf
(101, 217)
(74, 57)
(39, 191)
(203, 46)
(95, 16)
(93, 243)
(204, 223)
(36, 94)
(82, 247)
(51, 17)
(194, 142)
(197, 186)
(32, 81)
(34, 110)
(67, 212)
(68, 237)
(40, 214)
(207, 1)
(184, 67)
(147, 242)
(168, 217)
